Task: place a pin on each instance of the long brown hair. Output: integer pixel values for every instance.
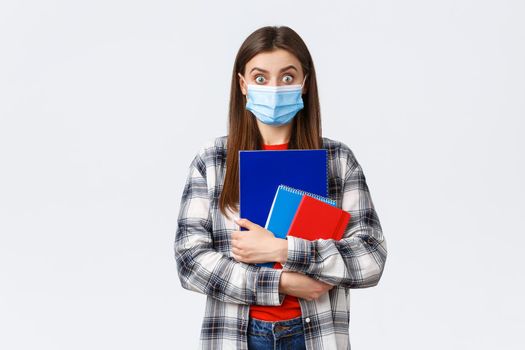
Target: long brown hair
(243, 133)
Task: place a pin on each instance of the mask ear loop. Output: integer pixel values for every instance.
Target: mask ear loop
(302, 85)
(245, 96)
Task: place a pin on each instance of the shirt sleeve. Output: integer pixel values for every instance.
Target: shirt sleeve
(358, 259)
(203, 269)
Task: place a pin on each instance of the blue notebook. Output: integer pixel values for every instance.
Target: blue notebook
(285, 204)
(262, 171)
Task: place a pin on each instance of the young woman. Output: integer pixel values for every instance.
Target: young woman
(305, 304)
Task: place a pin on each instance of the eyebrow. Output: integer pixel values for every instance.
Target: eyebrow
(265, 71)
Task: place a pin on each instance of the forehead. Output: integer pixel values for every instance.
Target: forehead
(273, 61)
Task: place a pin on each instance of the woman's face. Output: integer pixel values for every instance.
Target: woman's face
(276, 68)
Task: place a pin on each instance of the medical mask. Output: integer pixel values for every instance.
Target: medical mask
(275, 105)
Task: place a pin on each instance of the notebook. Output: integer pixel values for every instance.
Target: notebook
(262, 171)
(284, 207)
(316, 219)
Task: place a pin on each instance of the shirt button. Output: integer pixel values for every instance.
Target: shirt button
(370, 240)
(307, 320)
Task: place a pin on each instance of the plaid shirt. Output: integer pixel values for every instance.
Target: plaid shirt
(205, 263)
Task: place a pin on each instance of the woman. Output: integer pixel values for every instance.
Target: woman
(305, 304)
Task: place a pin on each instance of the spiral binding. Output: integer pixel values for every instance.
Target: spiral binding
(301, 192)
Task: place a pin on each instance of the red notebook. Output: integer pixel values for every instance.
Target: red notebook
(315, 219)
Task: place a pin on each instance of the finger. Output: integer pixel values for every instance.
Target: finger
(247, 224)
(238, 257)
(328, 286)
(237, 244)
(237, 235)
(236, 248)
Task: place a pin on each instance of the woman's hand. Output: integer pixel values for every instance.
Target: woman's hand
(302, 286)
(257, 245)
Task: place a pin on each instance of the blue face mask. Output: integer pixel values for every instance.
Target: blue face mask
(275, 105)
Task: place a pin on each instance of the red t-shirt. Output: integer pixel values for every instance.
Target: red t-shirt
(290, 307)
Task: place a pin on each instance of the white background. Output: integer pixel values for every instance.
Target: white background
(103, 104)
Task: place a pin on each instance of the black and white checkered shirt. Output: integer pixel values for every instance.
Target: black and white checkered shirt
(205, 263)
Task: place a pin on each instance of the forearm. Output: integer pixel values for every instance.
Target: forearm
(209, 272)
(354, 262)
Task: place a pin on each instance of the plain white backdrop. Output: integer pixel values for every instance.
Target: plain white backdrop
(103, 104)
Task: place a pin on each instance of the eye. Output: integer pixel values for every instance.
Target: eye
(288, 78)
(259, 81)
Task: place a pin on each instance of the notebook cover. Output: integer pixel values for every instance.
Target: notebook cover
(284, 207)
(262, 171)
(315, 219)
